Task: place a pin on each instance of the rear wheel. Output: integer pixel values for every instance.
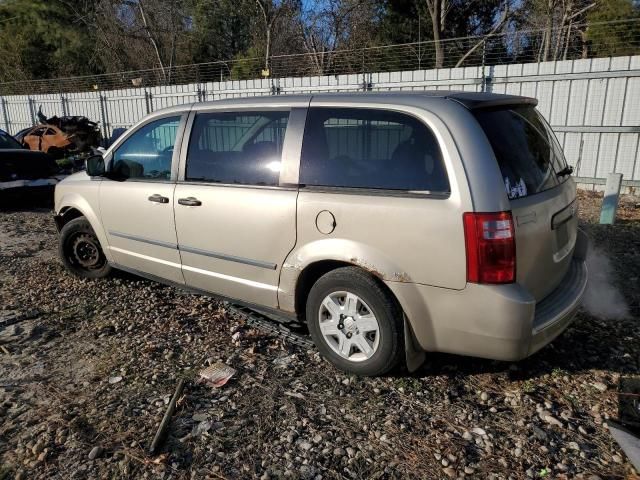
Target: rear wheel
(80, 250)
(355, 323)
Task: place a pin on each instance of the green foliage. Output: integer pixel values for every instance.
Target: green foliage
(221, 29)
(404, 21)
(614, 38)
(247, 65)
(45, 40)
(59, 38)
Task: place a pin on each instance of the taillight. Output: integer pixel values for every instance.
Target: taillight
(491, 247)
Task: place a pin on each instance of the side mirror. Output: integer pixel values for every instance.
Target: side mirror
(95, 166)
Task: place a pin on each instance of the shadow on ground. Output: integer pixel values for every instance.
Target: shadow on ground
(26, 199)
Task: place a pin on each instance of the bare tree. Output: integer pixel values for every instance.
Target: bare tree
(334, 25)
(560, 18)
(499, 24)
(438, 9)
(271, 12)
(136, 34)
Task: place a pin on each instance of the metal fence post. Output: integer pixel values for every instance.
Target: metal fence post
(484, 79)
(63, 104)
(275, 86)
(32, 114)
(102, 101)
(5, 114)
(610, 200)
(147, 101)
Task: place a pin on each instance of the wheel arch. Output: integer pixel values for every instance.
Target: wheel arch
(72, 206)
(304, 266)
(324, 255)
(65, 215)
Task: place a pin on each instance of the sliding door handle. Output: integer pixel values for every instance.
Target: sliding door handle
(190, 202)
(158, 199)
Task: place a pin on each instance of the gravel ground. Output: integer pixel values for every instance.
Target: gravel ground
(85, 383)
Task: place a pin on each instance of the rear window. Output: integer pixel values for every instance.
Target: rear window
(526, 148)
(372, 149)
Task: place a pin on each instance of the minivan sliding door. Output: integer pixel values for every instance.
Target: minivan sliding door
(235, 222)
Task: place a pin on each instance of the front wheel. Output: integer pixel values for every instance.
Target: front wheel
(355, 323)
(80, 250)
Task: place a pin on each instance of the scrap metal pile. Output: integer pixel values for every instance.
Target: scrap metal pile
(61, 136)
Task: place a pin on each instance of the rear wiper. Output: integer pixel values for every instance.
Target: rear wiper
(568, 170)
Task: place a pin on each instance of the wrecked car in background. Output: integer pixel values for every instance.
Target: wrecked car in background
(59, 136)
(48, 139)
(21, 169)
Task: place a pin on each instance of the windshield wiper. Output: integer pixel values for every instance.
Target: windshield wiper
(568, 170)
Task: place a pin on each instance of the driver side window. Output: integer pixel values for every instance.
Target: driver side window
(148, 152)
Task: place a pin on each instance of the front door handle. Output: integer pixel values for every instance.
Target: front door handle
(158, 199)
(190, 202)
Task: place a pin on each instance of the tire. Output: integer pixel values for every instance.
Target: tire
(80, 250)
(385, 346)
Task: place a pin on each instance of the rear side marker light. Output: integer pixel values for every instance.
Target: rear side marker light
(490, 247)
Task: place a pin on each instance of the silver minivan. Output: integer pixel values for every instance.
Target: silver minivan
(393, 224)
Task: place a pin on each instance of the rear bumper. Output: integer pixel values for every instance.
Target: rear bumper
(501, 322)
(554, 314)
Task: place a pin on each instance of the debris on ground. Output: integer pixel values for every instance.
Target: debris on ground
(218, 374)
(164, 424)
(297, 417)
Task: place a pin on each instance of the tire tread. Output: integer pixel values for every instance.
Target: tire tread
(360, 279)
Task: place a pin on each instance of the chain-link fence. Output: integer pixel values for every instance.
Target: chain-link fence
(580, 41)
(591, 103)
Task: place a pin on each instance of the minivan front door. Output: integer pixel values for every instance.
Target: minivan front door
(136, 200)
(235, 223)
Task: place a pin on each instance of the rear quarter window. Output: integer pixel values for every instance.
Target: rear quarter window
(370, 149)
(526, 149)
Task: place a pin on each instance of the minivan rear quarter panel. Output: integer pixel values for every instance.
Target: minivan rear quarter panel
(397, 236)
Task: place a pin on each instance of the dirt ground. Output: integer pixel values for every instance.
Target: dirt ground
(84, 383)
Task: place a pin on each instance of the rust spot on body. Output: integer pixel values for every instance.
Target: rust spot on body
(368, 267)
(401, 277)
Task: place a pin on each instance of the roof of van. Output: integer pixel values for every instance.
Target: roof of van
(470, 100)
(481, 100)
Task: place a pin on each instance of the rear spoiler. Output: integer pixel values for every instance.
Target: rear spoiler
(484, 101)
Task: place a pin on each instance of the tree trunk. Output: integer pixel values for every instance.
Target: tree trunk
(267, 49)
(568, 40)
(496, 27)
(560, 35)
(585, 46)
(152, 39)
(437, 21)
(547, 32)
(541, 49)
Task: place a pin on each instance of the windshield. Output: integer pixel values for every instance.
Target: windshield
(526, 149)
(7, 141)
